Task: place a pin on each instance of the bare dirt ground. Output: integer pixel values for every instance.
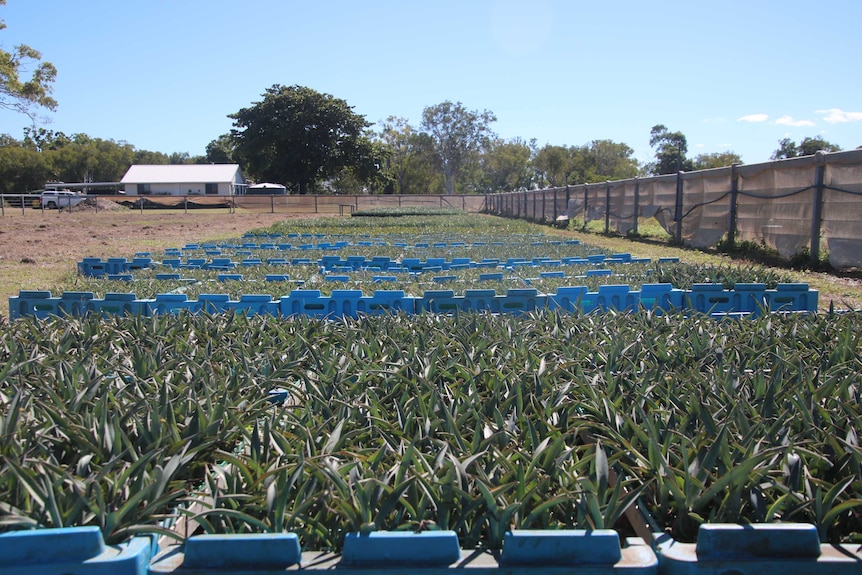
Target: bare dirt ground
(40, 250)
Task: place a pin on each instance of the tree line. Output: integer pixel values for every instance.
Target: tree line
(315, 143)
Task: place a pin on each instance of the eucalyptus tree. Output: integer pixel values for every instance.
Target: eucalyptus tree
(506, 165)
(716, 160)
(670, 151)
(787, 148)
(25, 95)
(609, 160)
(412, 164)
(459, 135)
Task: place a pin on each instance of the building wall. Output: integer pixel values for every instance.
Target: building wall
(183, 189)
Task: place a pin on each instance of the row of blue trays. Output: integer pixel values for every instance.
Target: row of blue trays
(97, 267)
(743, 300)
(765, 549)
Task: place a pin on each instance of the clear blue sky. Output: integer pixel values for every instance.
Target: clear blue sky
(163, 75)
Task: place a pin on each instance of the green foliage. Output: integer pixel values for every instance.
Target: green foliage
(671, 149)
(809, 146)
(474, 422)
(411, 163)
(44, 155)
(299, 137)
(458, 135)
(598, 161)
(716, 160)
(505, 165)
(22, 94)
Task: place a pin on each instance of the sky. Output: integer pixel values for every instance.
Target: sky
(163, 75)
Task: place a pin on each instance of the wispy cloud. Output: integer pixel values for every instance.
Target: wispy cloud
(839, 116)
(754, 118)
(789, 121)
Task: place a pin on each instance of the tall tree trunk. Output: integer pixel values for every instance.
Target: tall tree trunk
(449, 179)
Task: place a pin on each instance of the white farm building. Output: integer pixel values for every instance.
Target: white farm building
(184, 180)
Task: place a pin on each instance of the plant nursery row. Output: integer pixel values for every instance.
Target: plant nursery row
(647, 428)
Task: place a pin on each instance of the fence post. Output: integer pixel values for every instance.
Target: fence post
(544, 200)
(608, 208)
(568, 197)
(555, 204)
(637, 208)
(817, 212)
(734, 196)
(586, 203)
(677, 216)
(315, 203)
(2, 205)
(185, 204)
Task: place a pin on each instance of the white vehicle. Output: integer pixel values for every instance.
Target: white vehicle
(53, 199)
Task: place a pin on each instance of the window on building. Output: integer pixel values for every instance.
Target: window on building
(211, 188)
(144, 189)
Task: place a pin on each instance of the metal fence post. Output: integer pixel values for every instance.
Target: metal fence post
(568, 198)
(637, 208)
(586, 203)
(734, 197)
(608, 208)
(817, 212)
(555, 205)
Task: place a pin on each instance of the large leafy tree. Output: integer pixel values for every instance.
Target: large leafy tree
(458, 134)
(298, 137)
(787, 148)
(412, 163)
(609, 160)
(25, 81)
(505, 165)
(554, 165)
(716, 160)
(670, 151)
(220, 150)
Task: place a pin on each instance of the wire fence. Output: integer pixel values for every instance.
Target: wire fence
(794, 206)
